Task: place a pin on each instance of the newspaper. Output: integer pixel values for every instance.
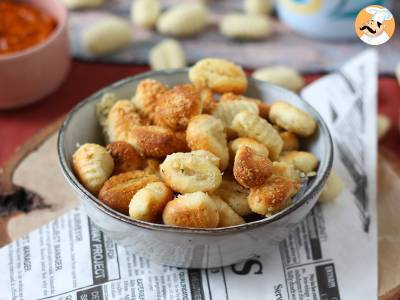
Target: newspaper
(331, 255)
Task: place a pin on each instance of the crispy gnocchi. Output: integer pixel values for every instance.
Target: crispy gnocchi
(199, 154)
(154, 141)
(177, 106)
(292, 119)
(147, 94)
(193, 210)
(250, 168)
(125, 157)
(275, 195)
(206, 132)
(93, 165)
(248, 124)
(118, 191)
(121, 119)
(148, 203)
(187, 173)
(219, 75)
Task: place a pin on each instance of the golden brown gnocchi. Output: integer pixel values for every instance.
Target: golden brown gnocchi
(154, 141)
(118, 191)
(292, 119)
(195, 210)
(227, 216)
(103, 108)
(206, 132)
(177, 106)
(219, 75)
(250, 125)
(121, 119)
(187, 173)
(285, 169)
(207, 100)
(93, 165)
(304, 161)
(275, 195)
(148, 203)
(125, 157)
(251, 169)
(147, 94)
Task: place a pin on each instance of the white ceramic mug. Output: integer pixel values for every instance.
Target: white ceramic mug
(326, 19)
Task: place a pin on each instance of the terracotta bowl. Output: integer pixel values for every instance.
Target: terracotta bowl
(186, 247)
(29, 75)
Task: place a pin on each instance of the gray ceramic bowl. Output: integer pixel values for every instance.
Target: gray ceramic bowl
(185, 247)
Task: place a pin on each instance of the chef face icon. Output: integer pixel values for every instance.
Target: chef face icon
(375, 25)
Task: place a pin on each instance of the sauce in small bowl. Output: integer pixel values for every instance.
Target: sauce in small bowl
(22, 26)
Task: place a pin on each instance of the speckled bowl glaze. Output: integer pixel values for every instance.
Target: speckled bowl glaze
(185, 247)
(31, 74)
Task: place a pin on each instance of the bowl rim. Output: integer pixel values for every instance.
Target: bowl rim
(61, 25)
(308, 194)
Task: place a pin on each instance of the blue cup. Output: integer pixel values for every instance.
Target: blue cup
(324, 19)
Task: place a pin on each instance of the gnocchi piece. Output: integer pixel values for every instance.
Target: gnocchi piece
(187, 173)
(207, 155)
(234, 195)
(177, 106)
(148, 92)
(384, 124)
(263, 107)
(226, 111)
(272, 197)
(248, 124)
(258, 7)
(107, 36)
(167, 54)
(144, 13)
(281, 75)
(251, 169)
(206, 132)
(149, 202)
(245, 27)
(121, 119)
(333, 188)
(93, 165)
(103, 108)
(227, 216)
(125, 157)
(220, 75)
(284, 169)
(183, 19)
(207, 100)
(292, 119)
(118, 191)
(154, 141)
(78, 4)
(304, 161)
(194, 210)
(290, 141)
(257, 147)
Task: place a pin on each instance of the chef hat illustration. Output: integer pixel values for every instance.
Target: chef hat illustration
(379, 14)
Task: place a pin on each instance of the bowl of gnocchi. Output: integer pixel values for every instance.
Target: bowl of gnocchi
(196, 168)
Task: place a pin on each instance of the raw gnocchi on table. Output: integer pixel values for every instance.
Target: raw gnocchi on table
(199, 154)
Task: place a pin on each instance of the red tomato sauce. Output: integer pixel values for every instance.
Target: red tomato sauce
(22, 26)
